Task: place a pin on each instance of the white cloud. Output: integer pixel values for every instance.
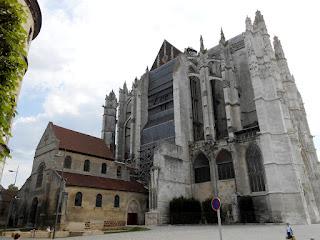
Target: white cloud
(86, 48)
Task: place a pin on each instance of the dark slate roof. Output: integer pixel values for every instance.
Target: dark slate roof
(164, 58)
(80, 180)
(81, 143)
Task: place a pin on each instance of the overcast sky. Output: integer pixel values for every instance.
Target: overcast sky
(86, 48)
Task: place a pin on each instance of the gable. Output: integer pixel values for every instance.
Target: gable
(48, 139)
(166, 53)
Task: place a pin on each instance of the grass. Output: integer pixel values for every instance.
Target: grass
(126, 229)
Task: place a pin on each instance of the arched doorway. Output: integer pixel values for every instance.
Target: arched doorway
(132, 213)
(33, 211)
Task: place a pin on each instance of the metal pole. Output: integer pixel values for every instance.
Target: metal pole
(219, 223)
(59, 200)
(217, 195)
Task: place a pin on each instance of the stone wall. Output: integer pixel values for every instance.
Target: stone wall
(88, 216)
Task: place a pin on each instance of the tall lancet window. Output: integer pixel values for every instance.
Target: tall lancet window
(197, 118)
(40, 171)
(255, 168)
(127, 130)
(219, 109)
(127, 139)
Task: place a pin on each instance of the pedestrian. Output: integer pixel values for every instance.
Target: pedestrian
(16, 236)
(290, 232)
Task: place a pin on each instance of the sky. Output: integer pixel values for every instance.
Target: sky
(86, 48)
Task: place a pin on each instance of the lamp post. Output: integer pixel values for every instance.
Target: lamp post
(15, 178)
(60, 194)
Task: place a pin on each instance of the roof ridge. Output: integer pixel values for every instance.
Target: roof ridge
(76, 131)
(88, 175)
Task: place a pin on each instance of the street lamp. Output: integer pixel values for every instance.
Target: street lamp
(16, 171)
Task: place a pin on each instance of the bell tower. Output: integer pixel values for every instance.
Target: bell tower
(109, 120)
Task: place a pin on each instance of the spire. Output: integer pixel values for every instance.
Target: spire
(258, 18)
(201, 44)
(222, 38)
(248, 24)
(111, 100)
(259, 23)
(278, 48)
(135, 83)
(112, 95)
(125, 89)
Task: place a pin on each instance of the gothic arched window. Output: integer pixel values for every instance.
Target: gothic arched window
(86, 166)
(127, 136)
(225, 165)
(197, 117)
(219, 109)
(67, 162)
(104, 168)
(41, 168)
(78, 199)
(116, 203)
(119, 172)
(99, 200)
(201, 169)
(255, 169)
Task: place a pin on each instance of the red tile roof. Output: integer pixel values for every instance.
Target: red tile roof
(81, 143)
(81, 180)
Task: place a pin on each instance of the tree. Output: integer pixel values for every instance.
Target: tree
(13, 65)
(13, 188)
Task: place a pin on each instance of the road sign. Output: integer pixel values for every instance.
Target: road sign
(215, 204)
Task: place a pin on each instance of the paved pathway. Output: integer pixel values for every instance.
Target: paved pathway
(210, 232)
(206, 232)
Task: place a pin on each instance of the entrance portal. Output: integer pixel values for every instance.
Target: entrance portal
(133, 210)
(132, 219)
(33, 211)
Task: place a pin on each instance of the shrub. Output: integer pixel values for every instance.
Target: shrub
(209, 214)
(185, 211)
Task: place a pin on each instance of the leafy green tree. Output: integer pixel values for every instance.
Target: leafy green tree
(12, 188)
(13, 65)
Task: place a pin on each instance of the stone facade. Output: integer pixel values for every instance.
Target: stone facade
(32, 26)
(226, 121)
(68, 164)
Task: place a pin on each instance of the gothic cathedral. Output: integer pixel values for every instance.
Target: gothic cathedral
(226, 121)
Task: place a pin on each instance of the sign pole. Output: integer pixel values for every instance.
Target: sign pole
(216, 204)
(219, 223)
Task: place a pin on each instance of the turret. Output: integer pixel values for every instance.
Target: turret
(109, 120)
(259, 23)
(222, 38)
(202, 50)
(278, 48)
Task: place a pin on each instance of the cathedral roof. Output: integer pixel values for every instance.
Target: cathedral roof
(81, 143)
(80, 180)
(166, 53)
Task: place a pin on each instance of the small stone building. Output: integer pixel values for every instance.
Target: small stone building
(223, 121)
(79, 172)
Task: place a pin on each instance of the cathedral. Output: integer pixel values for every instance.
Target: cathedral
(224, 121)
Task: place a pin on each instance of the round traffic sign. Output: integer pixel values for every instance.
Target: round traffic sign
(215, 204)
